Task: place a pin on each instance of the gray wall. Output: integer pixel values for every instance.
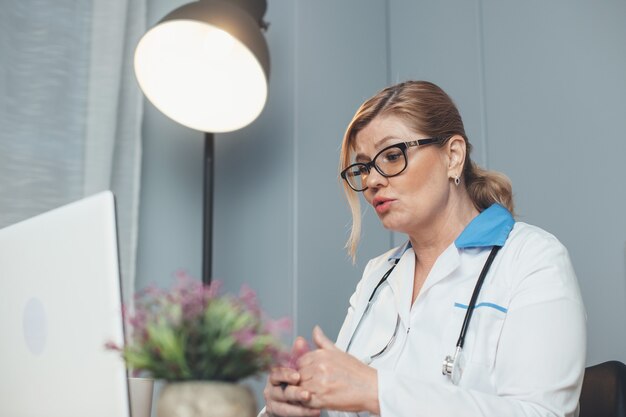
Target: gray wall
(542, 89)
(170, 218)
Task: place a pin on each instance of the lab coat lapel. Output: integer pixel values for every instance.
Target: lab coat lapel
(368, 287)
(401, 279)
(401, 283)
(447, 263)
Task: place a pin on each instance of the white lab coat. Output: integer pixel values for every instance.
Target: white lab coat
(525, 347)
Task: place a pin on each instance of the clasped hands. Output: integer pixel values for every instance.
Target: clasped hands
(324, 378)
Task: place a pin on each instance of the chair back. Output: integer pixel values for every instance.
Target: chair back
(604, 390)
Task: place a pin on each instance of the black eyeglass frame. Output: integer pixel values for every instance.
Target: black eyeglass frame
(403, 146)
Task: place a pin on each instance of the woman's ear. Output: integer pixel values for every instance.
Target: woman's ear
(456, 149)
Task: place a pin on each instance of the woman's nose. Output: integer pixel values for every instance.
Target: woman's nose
(375, 179)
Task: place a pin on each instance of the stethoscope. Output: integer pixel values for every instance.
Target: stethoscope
(367, 308)
(452, 364)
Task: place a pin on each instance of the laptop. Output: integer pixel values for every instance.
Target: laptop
(60, 302)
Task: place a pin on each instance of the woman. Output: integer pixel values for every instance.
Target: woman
(523, 351)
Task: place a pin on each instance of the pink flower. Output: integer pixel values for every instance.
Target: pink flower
(285, 360)
(151, 291)
(249, 298)
(183, 311)
(213, 289)
(185, 283)
(245, 337)
(138, 319)
(110, 345)
(277, 327)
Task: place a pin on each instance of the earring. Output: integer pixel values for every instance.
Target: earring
(457, 180)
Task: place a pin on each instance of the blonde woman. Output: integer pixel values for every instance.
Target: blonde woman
(474, 315)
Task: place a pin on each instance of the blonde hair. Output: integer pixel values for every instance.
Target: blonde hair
(427, 109)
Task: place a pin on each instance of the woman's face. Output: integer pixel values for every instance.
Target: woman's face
(409, 202)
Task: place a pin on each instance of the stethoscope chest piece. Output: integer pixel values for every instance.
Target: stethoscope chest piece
(453, 366)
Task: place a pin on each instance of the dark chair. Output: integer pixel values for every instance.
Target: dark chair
(604, 391)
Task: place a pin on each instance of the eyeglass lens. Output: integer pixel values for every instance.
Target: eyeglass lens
(389, 162)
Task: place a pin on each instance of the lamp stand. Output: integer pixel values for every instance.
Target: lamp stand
(207, 234)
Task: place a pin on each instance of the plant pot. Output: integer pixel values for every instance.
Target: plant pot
(205, 399)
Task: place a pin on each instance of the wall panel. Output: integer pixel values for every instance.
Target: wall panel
(341, 60)
(556, 100)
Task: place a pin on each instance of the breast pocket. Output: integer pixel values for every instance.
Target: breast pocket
(483, 336)
(483, 333)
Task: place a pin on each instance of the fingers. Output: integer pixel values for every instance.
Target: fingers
(314, 403)
(292, 410)
(283, 375)
(295, 394)
(300, 346)
(302, 349)
(290, 394)
(282, 386)
(321, 340)
(286, 401)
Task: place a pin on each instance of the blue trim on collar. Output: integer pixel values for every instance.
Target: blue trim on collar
(489, 228)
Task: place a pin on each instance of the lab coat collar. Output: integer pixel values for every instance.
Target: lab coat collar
(447, 262)
(490, 228)
(400, 286)
(397, 254)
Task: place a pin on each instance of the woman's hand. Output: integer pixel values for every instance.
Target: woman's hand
(282, 395)
(336, 380)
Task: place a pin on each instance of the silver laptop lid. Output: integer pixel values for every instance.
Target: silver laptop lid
(60, 303)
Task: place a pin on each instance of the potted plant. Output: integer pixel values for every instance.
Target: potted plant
(202, 343)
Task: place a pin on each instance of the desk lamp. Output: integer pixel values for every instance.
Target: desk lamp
(206, 66)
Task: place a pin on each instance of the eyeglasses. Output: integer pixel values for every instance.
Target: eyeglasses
(389, 162)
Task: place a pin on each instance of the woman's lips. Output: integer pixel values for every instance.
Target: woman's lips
(382, 205)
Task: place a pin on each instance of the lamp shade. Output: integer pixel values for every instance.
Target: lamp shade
(206, 65)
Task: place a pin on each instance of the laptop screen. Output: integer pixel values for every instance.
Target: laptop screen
(60, 303)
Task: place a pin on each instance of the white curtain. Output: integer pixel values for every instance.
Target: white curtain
(70, 110)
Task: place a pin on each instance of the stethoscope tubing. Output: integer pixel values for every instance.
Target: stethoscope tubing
(369, 303)
(449, 362)
(472, 304)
